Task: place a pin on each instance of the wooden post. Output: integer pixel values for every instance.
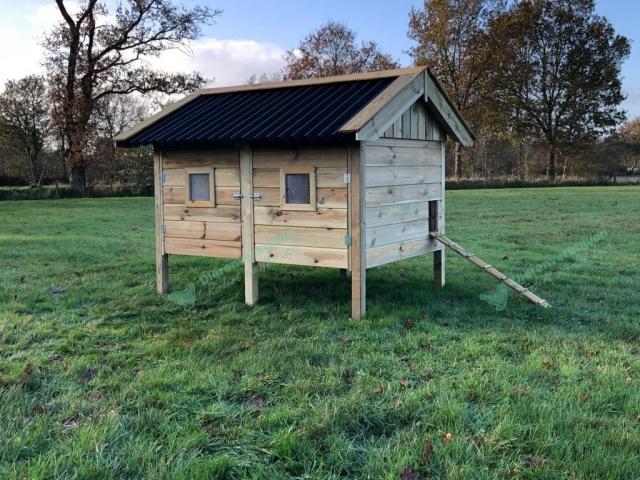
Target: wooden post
(439, 270)
(162, 259)
(358, 228)
(248, 245)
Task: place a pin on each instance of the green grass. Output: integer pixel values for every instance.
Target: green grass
(102, 378)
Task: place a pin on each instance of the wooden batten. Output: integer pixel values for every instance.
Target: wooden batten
(248, 225)
(162, 260)
(358, 227)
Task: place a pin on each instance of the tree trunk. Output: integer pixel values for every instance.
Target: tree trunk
(551, 164)
(457, 162)
(79, 179)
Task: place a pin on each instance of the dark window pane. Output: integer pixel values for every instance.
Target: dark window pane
(199, 187)
(297, 185)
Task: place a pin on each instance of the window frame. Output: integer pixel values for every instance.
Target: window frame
(309, 170)
(212, 187)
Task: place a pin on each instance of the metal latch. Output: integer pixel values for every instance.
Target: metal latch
(347, 240)
(163, 229)
(254, 196)
(347, 178)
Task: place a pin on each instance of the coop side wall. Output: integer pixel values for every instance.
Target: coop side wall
(314, 237)
(213, 231)
(401, 177)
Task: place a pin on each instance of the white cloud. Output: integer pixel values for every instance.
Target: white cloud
(228, 62)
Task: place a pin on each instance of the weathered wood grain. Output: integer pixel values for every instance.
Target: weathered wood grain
(396, 233)
(385, 176)
(322, 218)
(203, 230)
(223, 213)
(376, 196)
(316, 257)
(399, 251)
(301, 236)
(203, 248)
(390, 214)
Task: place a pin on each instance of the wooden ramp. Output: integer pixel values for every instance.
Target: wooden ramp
(530, 296)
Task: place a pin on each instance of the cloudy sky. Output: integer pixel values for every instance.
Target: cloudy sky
(251, 36)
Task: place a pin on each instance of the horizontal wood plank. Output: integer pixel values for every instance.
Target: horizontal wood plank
(301, 236)
(376, 196)
(391, 214)
(217, 158)
(222, 213)
(384, 176)
(203, 248)
(174, 177)
(203, 230)
(322, 218)
(173, 195)
(266, 178)
(399, 251)
(331, 197)
(396, 233)
(389, 156)
(330, 177)
(318, 157)
(315, 257)
(227, 177)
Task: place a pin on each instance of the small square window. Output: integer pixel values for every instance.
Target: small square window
(298, 188)
(200, 189)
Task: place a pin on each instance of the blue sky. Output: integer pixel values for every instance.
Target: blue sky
(252, 35)
(284, 22)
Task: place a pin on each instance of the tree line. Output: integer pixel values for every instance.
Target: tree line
(538, 80)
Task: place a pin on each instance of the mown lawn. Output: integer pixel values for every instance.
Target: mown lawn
(102, 378)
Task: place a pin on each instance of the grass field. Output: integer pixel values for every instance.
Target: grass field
(102, 378)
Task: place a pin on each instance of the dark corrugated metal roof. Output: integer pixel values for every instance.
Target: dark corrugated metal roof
(309, 113)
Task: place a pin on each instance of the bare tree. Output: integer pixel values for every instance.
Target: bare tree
(95, 53)
(332, 50)
(272, 77)
(450, 38)
(26, 122)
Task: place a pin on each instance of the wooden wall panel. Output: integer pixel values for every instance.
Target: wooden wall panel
(315, 238)
(401, 177)
(202, 231)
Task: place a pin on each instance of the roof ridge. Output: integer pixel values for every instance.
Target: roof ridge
(351, 77)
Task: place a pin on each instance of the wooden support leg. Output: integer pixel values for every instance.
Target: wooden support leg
(343, 273)
(162, 273)
(438, 268)
(250, 283)
(262, 266)
(358, 228)
(358, 294)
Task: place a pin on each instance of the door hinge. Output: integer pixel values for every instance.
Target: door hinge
(347, 240)
(347, 178)
(163, 177)
(163, 228)
(237, 195)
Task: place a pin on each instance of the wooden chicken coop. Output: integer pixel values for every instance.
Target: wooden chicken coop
(343, 172)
